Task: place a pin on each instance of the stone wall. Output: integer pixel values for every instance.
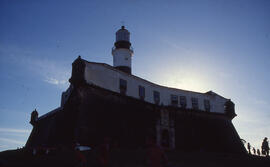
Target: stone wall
(92, 113)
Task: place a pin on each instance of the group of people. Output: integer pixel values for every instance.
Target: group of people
(155, 156)
(264, 148)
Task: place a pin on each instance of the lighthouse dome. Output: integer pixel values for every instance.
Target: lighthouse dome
(122, 34)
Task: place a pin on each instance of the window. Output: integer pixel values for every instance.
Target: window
(156, 97)
(141, 92)
(123, 86)
(195, 104)
(183, 101)
(174, 100)
(207, 105)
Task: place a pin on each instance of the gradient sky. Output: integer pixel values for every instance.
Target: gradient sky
(199, 45)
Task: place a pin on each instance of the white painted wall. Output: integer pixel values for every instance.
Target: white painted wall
(107, 77)
(122, 57)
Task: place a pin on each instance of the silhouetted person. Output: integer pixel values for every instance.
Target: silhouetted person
(258, 152)
(104, 149)
(80, 158)
(248, 146)
(155, 155)
(265, 147)
(254, 151)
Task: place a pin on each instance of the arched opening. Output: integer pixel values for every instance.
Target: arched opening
(165, 138)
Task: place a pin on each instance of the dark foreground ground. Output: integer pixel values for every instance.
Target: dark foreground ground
(128, 158)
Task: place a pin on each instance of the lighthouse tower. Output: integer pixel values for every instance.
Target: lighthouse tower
(122, 51)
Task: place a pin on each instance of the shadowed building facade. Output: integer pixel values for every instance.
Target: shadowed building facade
(108, 101)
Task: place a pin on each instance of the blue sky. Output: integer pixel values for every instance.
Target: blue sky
(198, 45)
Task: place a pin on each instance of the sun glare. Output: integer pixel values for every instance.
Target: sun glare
(193, 82)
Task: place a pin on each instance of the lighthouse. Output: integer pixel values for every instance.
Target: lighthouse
(122, 51)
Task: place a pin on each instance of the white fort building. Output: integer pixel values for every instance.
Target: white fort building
(108, 101)
(118, 78)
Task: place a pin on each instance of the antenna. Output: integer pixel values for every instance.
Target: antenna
(123, 23)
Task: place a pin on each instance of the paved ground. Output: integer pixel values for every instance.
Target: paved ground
(128, 158)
